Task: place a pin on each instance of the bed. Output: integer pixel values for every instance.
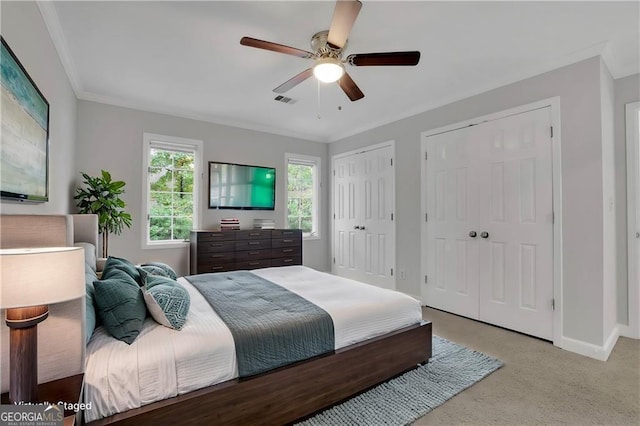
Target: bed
(192, 381)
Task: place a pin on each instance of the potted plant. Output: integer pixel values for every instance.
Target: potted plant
(101, 196)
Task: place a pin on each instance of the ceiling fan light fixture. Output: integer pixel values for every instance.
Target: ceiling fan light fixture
(328, 70)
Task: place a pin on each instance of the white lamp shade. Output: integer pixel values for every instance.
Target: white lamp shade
(40, 276)
(328, 70)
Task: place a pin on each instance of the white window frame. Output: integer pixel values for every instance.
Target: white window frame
(151, 140)
(317, 187)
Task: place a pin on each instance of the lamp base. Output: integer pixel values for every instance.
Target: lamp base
(23, 352)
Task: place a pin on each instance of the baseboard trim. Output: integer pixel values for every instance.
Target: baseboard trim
(600, 353)
(628, 331)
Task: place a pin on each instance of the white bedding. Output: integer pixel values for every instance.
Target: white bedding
(162, 363)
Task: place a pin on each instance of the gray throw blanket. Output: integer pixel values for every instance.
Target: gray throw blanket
(271, 326)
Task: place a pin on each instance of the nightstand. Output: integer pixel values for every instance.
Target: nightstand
(68, 390)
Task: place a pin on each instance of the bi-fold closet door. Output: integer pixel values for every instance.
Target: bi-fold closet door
(364, 233)
(489, 222)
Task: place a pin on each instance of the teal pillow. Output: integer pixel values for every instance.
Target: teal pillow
(168, 269)
(120, 305)
(118, 264)
(145, 270)
(168, 304)
(91, 316)
(154, 280)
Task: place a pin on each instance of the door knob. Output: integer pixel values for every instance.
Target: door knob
(484, 234)
(362, 227)
(473, 234)
(356, 227)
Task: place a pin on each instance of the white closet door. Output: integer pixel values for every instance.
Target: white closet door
(494, 179)
(376, 224)
(452, 202)
(516, 259)
(364, 235)
(347, 217)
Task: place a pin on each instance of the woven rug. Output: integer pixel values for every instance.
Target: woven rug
(402, 400)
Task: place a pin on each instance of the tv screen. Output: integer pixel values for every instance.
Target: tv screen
(241, 187)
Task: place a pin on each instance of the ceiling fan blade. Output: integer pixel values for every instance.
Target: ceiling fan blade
(292, 82)
(387, 58)
(350, 88)
(280, 48)
(344, 16)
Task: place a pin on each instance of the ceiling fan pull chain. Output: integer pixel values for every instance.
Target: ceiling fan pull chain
(318, 106)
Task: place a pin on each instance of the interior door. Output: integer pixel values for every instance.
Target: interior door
(376, 222)
(489, 230)
(347, 196)
(452, 205)
(516, 223)
(364, 233)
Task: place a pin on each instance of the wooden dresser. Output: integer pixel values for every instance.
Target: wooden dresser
(219, 251)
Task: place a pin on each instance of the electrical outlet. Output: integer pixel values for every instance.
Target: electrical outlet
(402, 275)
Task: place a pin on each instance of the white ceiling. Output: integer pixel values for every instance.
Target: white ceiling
(185, 58)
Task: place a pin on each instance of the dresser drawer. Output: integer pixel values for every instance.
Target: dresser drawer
(279, 233)
(216, 257)
(216, 246)
(285, 261)
(286, 251)
(286, 242)
(252, 244)
(204, 268)
(253, 255)
(253, 264)
(254, 234)
(216, 236)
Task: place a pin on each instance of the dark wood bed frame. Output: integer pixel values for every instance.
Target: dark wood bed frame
(293, 392)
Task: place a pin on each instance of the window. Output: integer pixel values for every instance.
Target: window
(303, 194)
(171, 189)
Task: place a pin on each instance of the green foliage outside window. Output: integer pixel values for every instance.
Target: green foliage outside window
(171, 195)
(300, 197)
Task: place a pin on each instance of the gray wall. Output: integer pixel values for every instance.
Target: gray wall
(24, 30)
(578, 86)
(626, 90)
(110, 138)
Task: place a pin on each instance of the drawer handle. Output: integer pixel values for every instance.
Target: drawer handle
(216, 267)
(254, 234)
(215, 245)
(287, 260)
(287, 241)
(254, 263)
(214, 235)
(253, 243)
(254, 253)
(287, 250)
(216, 256)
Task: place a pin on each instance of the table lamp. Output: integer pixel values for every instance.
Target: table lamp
(30, 280)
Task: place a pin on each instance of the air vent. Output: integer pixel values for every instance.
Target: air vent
(285, 100)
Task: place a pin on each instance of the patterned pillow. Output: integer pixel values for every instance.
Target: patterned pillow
(120, 306)
(152, 270)
(168, 269)
(168, 303)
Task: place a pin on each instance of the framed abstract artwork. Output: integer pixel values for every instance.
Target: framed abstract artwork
(24, 143)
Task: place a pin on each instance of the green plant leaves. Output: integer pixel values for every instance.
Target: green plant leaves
(101, 196)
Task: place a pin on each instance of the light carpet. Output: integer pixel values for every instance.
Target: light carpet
(402, 400)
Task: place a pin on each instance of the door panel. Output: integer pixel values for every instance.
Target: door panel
(516, 211)
(451, 255)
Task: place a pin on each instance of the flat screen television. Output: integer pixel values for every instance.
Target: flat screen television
(241, 187)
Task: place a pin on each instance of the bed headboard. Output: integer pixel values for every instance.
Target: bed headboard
(61, 339)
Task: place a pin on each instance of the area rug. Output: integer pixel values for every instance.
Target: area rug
(400, 401)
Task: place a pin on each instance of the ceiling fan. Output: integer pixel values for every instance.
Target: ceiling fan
(328, 47)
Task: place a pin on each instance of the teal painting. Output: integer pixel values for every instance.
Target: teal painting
(25, 133)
